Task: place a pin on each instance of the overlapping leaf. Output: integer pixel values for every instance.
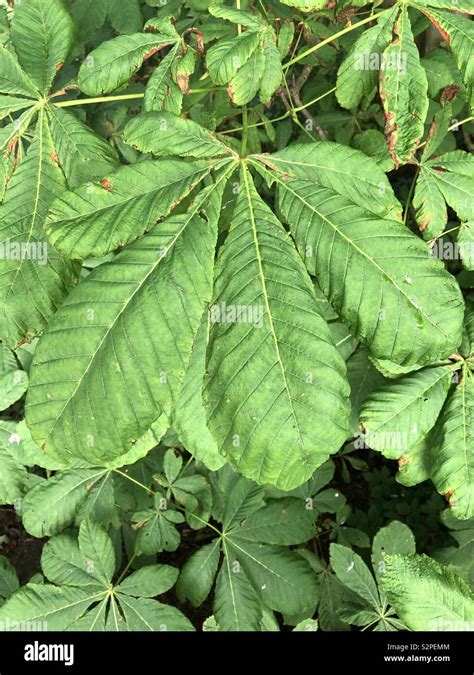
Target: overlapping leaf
(353, 245)
(259, 375)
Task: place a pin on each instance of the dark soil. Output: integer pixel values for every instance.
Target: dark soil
(21, 549)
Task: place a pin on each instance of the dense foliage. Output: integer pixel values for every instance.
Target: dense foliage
(236, 273)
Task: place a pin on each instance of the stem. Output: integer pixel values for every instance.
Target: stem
(243, 143)
(98, 99)
(325, 42)
(458, 124)
(453, 126)
(133, 480)
(127, 567)
(282, 117)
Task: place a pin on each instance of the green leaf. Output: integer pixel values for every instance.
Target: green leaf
(447, 178)
(13, 478)
(198, 573)
(142, 614)
(237, 606)
(149, 581)
(97, 550)
(172, 465)
(462, 555)
(189, 415)
(364, 378)
(345, 172)
(460, 5)
(11, 104)
(35, 279)
(125, 332)
(161, 92)
(284, 580)
(404, 92)
(307, 625)
(426, 595)
(114, 62)
(458, 32)
(332, 598)
(13, 79)
(394, 310)
(125, 17)
(16, 439)
(163, 133)
(88, 16)
(414, 466)
(465, 240)
(156, 530)
(51, 505)
(244, 498)
(9, 583)
(98, 217)
(403, 411)
(13, 385)
(273, 71)
(258, 378)
(245, 84)
(82, 154)
(355, 77)
(225, 58)
(63, 563)
(395, 538)
(48, 607)
(352, 571)
(452, 450)
(283, 522)
(42, 34)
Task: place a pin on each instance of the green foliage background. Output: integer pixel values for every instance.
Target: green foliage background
(236, 246)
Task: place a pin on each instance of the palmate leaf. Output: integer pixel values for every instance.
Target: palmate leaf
(34, 280)
(97, 218)
(355, 255)
(125, 346)
(452, 450)
(403, 90)
(249, 62)
(447, 179)
(42, 34)
(114, 62)
(259, 375)
(427, 595)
